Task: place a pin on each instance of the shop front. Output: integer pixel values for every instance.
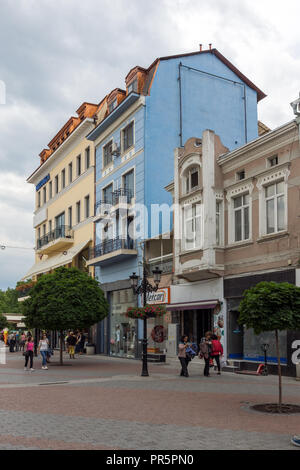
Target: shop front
(123, 330)
(197, 308)
(157, 328)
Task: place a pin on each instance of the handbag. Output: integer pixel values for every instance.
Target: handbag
(25, 354)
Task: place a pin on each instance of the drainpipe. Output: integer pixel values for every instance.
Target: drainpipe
(180, 104)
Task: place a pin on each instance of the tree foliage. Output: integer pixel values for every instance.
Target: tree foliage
(271, 306)
(9, 301)
(3, 322)
(65, 299)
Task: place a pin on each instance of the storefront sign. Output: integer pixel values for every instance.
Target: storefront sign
(161, 296)
(42, 182)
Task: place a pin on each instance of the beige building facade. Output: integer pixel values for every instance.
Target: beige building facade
(236, 223)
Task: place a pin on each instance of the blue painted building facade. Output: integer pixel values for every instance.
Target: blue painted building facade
(180, 97)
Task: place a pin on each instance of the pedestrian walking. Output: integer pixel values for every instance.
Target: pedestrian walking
(71, 342)
(205, 351)
(28, 353)
(216, 351)
(43, 350)
(22, 341)
(12, 343)
(80, 343)
(183, 345)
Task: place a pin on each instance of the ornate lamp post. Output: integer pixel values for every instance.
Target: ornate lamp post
(143, 288)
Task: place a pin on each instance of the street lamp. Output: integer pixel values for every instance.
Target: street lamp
(265, 348)
(143, 289)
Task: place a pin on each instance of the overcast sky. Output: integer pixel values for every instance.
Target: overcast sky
(56, 54)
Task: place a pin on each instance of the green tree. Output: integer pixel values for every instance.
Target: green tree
(9, 301)
(271, 306)
(66, 299)
(3, 322)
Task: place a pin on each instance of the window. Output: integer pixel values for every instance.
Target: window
(63, 179)
(128, 183)
(128, 137)
(275, 207)
(44, 195)
(191, 179)
(78, 161)
(112, 105)
(133, 86)
(44, 230)
(107, 194)
(70, 173)
(87, 206)
(50, 225)
(70, 217)
(273, 161)
(39, 199)
(192, 229)
(107, 154)
(241, 218)
(218, 222)
(87, 158)
(56, 184)
(78, 212)
(39, 233)
(50, 190)
(240, 175)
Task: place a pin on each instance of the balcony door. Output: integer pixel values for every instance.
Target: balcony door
(60, 225)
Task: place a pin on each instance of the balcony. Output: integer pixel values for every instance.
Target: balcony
(59, 238)
(111, 251)
(116, 199)
(164, 263)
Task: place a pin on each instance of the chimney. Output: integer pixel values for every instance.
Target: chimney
(200, 47)
(210, 46)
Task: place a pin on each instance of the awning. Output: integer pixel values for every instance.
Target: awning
(53, 262)
(198, 305)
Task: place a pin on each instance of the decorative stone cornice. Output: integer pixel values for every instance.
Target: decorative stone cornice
(273, 175)
(246, 187)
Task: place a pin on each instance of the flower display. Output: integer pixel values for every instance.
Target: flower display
(149, 311)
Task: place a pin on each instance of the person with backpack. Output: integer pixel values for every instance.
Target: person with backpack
(71, 342)
(28, 353)
(205, 350)
(216, 351)
(182, 347)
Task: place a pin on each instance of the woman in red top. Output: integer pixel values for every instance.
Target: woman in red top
(216, 351)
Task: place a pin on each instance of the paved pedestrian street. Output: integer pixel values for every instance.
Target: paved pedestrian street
(96, 402)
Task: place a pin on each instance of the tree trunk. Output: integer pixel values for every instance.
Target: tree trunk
(61, 348)
(279, 369)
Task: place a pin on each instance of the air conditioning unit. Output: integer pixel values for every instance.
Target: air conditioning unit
(115, 149)
(296, 106)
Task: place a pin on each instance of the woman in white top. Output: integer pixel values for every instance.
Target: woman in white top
(43, 350)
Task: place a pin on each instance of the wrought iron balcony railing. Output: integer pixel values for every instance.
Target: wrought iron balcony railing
(109, 246)
(120, 195)
(63, 231)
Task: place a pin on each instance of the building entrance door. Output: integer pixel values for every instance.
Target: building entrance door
(196, 323)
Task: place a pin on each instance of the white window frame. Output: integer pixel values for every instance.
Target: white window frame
(187, 245)
(232, 193)
(110, 141)
(241, 209)
(220, 201)
(267, 180)
(188, 177)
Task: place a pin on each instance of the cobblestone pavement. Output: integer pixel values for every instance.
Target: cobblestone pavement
(104, 403)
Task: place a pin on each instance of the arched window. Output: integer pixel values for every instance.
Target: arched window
(191, 179)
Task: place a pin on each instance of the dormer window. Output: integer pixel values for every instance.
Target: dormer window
(113, 105)
(133, 86)
(192, 179)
